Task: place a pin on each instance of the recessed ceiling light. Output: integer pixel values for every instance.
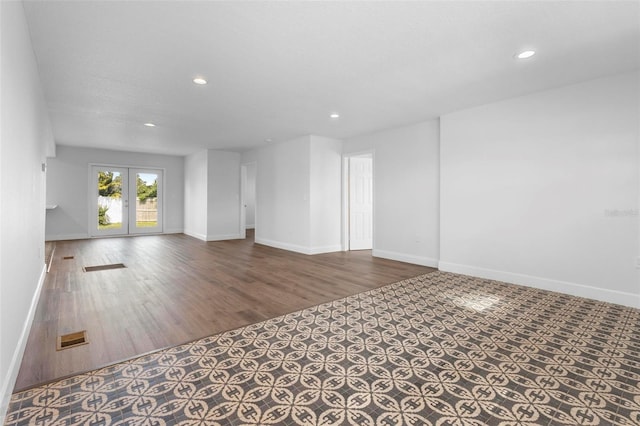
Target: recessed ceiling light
(526, 54)
(334, 115)
(268, 140)
(199, 80)
(149, 124)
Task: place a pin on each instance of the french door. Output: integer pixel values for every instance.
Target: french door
(125, 201)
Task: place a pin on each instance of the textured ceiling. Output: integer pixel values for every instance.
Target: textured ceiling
(277, 69)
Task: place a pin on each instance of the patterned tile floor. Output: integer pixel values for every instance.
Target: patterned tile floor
(439, 349)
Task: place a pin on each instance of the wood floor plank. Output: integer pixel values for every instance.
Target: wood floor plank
(176, 289)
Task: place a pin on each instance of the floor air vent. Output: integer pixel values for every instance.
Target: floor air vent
(67, 258)
(103, 267)
(72, 340)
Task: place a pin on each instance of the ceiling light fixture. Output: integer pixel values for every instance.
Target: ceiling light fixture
(526, 54)
(149, 124)
(334, 115)
(199, 80)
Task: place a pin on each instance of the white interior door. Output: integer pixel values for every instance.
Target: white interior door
(249, 195)
(243, 201)
(125, 201)
(360, 203)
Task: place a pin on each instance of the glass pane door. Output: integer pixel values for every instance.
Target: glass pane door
(109, 215)
(125, 201)
(145, 209)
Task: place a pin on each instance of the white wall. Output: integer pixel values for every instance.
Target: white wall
(406, 191)
(212, 195)
(530, 188)
(68, 187)
(298, 194)
(223, 191)
(282, 195)
(325, 194)
(195, 194)
(26, 138)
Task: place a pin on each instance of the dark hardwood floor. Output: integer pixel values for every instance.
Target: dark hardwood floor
(176, 289)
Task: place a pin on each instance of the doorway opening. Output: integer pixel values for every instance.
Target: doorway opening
(358, 202)
(125, 201)
(248, 173)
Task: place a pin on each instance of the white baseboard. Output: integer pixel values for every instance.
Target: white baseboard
(223, 237)
(12, 374)
(325, 249)
(173, 231)
(602, 294)
(297, 248)
(197, 235)
(408, 258)
(204, 237)
(284, 246)
(64, 237)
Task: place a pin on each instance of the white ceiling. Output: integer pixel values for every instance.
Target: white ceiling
(277, 69)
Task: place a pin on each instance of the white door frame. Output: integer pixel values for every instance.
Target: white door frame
(345, 196)
(93, 212)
